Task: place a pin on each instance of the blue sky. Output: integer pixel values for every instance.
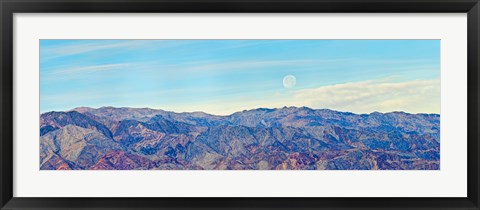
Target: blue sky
(224, 76)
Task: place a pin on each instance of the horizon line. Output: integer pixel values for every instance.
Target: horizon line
(245, 110)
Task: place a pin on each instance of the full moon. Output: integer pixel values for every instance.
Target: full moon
(289, 81)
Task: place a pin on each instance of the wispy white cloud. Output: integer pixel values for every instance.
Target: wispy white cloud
(244, 44)
(85, 47)
(68, 73)
(94, 68)
(192, 68)
(248, 64)
(299, 65)
(417, 96)
(229, 66)
(74, 49)
(180, 70)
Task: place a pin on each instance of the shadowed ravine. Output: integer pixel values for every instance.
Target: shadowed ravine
(288, 138)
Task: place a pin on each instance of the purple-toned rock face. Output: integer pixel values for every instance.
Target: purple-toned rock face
(289, 138)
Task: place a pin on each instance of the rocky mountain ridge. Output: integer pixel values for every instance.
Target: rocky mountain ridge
(296, 138)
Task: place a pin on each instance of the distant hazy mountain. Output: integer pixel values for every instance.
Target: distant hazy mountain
(111, 138)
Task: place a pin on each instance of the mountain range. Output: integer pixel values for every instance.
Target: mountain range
(288, 138)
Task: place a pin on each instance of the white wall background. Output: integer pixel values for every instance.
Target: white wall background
(450, 181)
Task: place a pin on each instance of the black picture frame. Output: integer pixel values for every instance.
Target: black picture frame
(9, 7)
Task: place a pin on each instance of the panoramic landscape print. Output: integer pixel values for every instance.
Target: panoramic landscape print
(239, 105)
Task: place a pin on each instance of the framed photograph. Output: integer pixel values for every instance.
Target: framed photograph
(240, 104)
